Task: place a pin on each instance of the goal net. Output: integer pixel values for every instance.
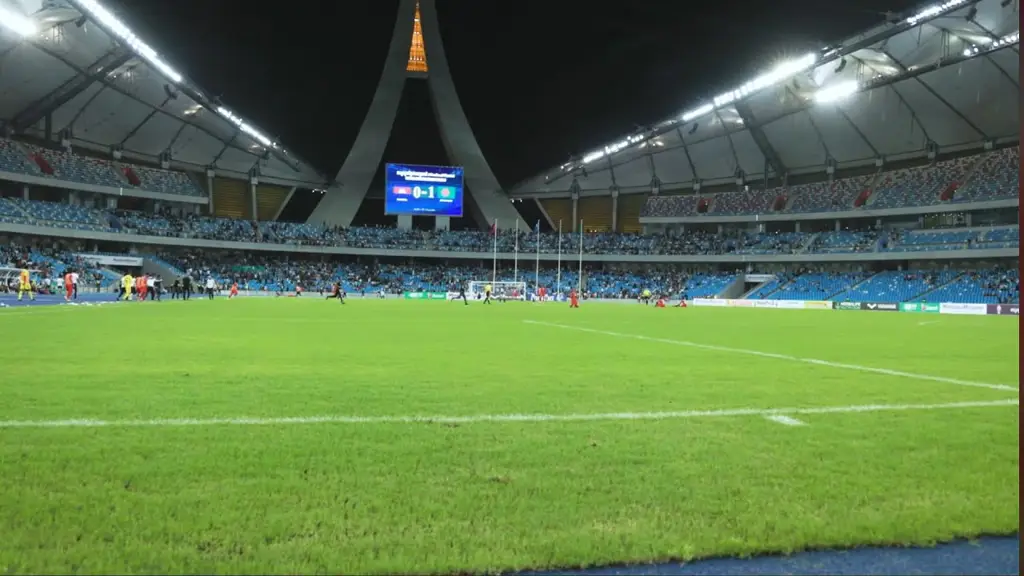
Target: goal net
(499, 290)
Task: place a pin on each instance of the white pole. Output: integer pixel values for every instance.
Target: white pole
(536, 274)
(580, 289)
(515, 258)
(494, 267)
(558, 281)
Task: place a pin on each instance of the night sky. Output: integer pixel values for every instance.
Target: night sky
(539, 80)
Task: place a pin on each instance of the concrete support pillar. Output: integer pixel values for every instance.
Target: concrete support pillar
(615, 209)
(442, 222)
(575, 211)
(209, 189)
(253, 182)
(404, 222)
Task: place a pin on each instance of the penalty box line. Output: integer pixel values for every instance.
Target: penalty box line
(497, 418)
(814, 361)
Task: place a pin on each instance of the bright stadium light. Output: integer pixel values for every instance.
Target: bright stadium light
(836, 92)
(245, 127)
(932, 11)
(990, 45)
(117, 28)
(20, 25)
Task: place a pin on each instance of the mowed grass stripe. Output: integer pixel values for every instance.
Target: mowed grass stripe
(747, 352)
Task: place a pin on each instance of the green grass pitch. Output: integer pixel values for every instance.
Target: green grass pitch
(160, 487)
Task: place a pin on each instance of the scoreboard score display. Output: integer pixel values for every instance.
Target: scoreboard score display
(423, 190)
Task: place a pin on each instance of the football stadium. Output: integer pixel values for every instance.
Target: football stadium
(658, 353)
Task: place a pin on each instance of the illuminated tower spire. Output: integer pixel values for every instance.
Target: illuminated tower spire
(416, 34)
(417, 54)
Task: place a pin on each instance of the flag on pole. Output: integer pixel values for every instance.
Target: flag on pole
(558, 280)
(581, 260)
(536, 273)
(494, 266)
(515, 255)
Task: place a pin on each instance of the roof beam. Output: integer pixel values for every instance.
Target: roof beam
(64, 93)
(937, 96)
(686, 152)
(113, 86)
(769, 152)
(988, 55)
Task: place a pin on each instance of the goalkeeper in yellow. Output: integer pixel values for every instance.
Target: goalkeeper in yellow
(126, 286)
(25, 285)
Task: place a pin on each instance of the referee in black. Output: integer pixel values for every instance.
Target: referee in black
(186, 287)
(462, 294)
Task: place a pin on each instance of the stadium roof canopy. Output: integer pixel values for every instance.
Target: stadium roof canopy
(942, 77)
(76, 63)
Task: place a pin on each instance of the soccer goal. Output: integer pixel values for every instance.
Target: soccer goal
(499, 290)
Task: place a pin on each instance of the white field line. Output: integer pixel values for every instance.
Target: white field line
(786, 420)
(814, 361)
(927, 322)
(497, 418)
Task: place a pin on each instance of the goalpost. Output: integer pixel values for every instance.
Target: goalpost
(499, 290)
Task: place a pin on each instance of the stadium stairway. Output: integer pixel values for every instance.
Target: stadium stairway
(811, 238)
(949, 193)
(152, 264)
(872, 188)
(851, 288)
(17, 207)
(762, 290)
(922, 295)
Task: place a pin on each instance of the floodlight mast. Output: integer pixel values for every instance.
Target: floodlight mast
(416, 53)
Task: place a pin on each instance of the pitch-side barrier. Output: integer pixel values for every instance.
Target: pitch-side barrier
(916, 307)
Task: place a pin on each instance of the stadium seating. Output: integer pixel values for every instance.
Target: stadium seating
(930, 240)
(825, 197)
(165, 181)
(60, 215)
(779, 243)
(73, 168)
(814, 286)
(996, 177)
(844, 241)
(990, 287)
(70, 167)
(897, 286)
(920, 186)
(738, 203)
(14, 159)
(668, 206)
(989, 176)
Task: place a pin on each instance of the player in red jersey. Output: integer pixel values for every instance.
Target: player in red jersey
(682, 303)
(140, 287)
(574, 301)
(337, 292)
(234, 290)
(69, 286)
(660, 303)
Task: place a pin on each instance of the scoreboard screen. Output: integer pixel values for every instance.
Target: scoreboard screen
(423, 190)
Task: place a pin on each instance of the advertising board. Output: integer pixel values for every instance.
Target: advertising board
(958, 308)
(818, 305)
(880, 306)
(846, 305)
(926, 307)
(1003, 309)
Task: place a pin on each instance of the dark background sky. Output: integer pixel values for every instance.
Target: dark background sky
(538, 79)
